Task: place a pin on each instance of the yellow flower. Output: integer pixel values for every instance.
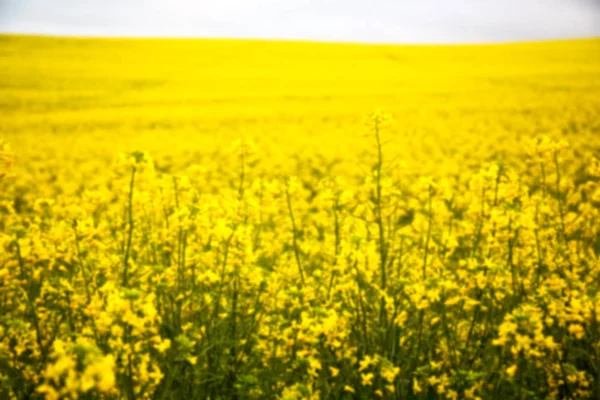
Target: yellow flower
(48, 391)
(334, 371)
(163, 345)
(192, 360)
(452, 301)
(365, 363)
(435, 365)
(512, 370)
(390, 373)
(156, 375)
(577, 330)
(367, 379)
(416, 386)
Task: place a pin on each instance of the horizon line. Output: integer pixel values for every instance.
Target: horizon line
(292, 40)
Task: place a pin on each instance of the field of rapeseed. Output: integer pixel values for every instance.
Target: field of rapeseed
(232, 220)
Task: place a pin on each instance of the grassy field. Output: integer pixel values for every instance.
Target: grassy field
(233, 219)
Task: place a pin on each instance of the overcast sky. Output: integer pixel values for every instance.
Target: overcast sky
(399, 21)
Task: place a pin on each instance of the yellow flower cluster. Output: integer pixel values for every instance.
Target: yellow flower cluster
(452, 251)
(76, 369)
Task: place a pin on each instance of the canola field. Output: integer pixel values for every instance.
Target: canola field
(228, 219)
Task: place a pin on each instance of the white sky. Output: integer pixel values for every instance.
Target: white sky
(400, 21)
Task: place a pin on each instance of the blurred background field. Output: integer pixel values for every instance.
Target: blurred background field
(181, 100)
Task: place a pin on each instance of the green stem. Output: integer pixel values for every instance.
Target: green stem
(294, 237)
(130, 232)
